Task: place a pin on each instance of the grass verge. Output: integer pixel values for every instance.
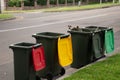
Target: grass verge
(67, 8)
(23, 11)
(83, 7)
(108, 69)
(6, 16)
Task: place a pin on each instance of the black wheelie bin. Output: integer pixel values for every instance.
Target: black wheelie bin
(82, 47)
(23, 63)
(49, 41)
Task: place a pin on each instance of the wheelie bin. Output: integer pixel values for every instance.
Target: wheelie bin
(50, 43)
(82, 47)
(97, 42)
(23, 62)
(107, 37)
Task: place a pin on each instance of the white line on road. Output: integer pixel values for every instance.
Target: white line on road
(34, 26)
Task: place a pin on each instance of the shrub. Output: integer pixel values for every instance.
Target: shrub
(12, 3)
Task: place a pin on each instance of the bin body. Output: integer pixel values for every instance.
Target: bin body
(82, 50)
(98, 45)
(23, 66)
(49, 41)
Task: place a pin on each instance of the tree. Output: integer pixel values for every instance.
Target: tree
(6, 4)
(2, 6)
(87, 1)
(100, 1)
(113, 1)
(22, 4)
(73, 2)
(48, 3)
(35, 3)
(65, 2)
(57, 2)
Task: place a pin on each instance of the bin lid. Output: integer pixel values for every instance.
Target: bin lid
(25, 45)
(65, 51)
(98, 28)
(38, 58)
(50, 35)
(81, 31)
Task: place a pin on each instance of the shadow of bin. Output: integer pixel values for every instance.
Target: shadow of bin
(82, 47)
(107, 37)
(23, 63)
(50, 43)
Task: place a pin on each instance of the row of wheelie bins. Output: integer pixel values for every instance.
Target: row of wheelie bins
(90, 44)
(52, 51)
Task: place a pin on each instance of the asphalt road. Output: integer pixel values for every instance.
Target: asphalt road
(26, 24)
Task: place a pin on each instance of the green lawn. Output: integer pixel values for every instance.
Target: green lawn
(72, 8)
(108, 69)
(6, 16)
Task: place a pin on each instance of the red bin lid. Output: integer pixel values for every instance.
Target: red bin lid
(38, 58)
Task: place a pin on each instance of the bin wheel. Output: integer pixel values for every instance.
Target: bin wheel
(62, 71)
(38, 78)
(49, 76)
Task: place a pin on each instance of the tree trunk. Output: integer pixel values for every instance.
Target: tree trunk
(48, 3)
(113, 1)
(2, 6)
(73, 2)
(57, 3)
(5, 4)
(35, 3)
(0, 9)
(22, 4)
(100, 1)
(65, 2)
(87, 1)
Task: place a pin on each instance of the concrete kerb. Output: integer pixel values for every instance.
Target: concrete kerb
(8, 19)
(19, 17)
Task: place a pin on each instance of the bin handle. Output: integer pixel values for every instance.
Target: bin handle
(64, 37)
(97, 29)
(33, 48)
(37, 45)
